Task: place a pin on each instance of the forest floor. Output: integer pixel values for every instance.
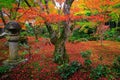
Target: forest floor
(41, 66)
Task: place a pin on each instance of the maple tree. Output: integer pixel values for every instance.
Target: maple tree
(58, 23)
(100, 13)
(58, 39)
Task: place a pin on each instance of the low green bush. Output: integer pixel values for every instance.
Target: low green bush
(87, 61)
(112, 34)
(4, 69)
(86, 54)
(118, 38)
(65, 70)
(100, 71)
(116, 67)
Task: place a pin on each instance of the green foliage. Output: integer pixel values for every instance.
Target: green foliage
(114, 16)
(29, 29)
(25, 52)
(86, 54)
(4, 69)
(75, 40)
(84, 33)
(87, 27)
(43, 1)
(44, 33)
(87, 62)
(118, 39)
(117, 5)
(6, 3)
(55, 27)
(100, 71)
(37, 66)
(87, 13)
(78, 36)
(58, 58)
(71, 39)
(112, 34)
(23, 33)
(66, 70)
(23, 38)
(41, 31)
(116, 67)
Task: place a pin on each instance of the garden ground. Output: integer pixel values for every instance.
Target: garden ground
(41, 66)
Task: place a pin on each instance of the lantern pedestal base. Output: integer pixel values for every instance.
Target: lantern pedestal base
(9, 62)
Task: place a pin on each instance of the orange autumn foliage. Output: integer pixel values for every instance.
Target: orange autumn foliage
(98, 4)
(100, 9)
(51, 18)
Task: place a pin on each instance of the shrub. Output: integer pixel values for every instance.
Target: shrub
(4, 69)
(75, 40)
(37, 66)
(86, 54)
(79, 35)
(72, 39)
(100, 71)
(116, 67)
(87, 62)
(118, 39)
(23, 37)
(65, 70)
(112, 34)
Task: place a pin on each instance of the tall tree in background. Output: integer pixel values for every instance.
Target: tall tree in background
(115, 14)
(100, 10)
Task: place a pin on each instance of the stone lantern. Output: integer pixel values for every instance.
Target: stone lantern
(13, 35)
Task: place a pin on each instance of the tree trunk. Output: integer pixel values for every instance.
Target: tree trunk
(36, 36)
(60, 55)
(101, 39)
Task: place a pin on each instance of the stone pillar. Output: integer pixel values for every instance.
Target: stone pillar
(14, 58)
(13, 47)
(13, 50)
(13, 30)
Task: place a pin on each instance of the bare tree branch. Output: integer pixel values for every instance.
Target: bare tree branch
(18, 5)
(27, 3)
(2, 17)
